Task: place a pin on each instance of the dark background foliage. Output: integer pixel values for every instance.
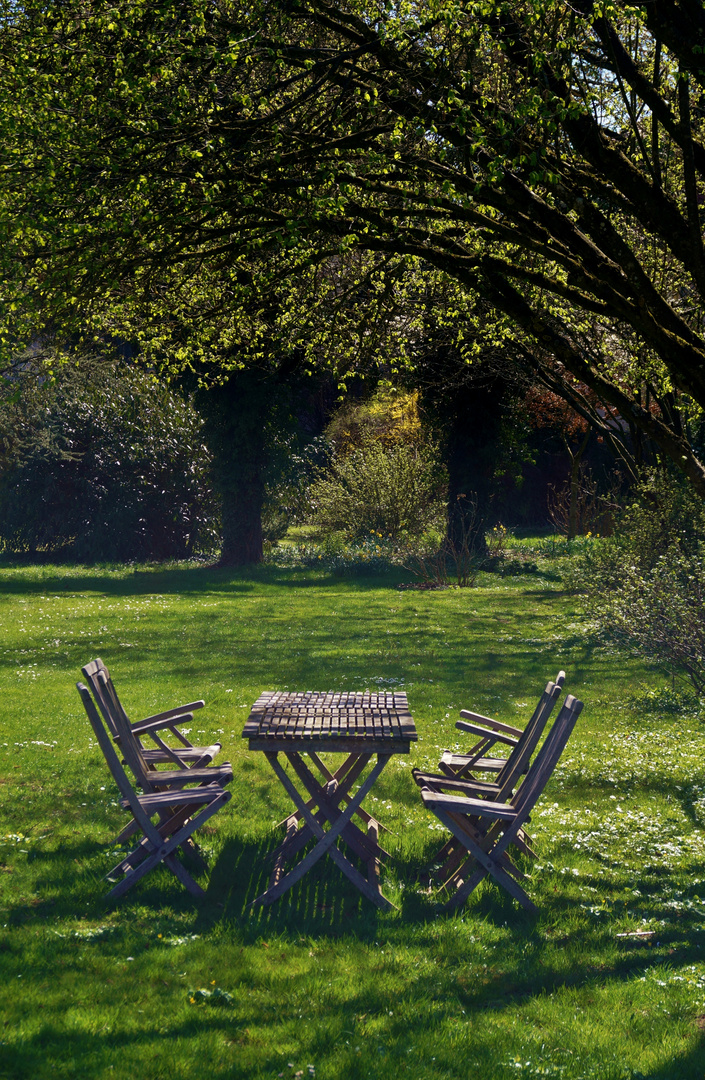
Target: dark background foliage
(100, 461)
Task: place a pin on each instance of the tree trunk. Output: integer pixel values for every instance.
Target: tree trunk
(468, 417)
(241, 521)
(576, 460)
(236, 415)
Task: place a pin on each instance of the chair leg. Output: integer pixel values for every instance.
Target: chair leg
(465, 888)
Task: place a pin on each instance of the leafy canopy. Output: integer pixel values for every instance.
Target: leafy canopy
(198, 175)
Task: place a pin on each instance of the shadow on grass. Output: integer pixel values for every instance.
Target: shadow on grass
(153, 1047)
(322, 907)
(123, 580)
(322, 904)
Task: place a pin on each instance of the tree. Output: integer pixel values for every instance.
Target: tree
(244, 418)
(550, 411)
(168, 170)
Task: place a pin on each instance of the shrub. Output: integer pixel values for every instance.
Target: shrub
(390, 416)
(110, 466)
(645, 586)
(390, 490)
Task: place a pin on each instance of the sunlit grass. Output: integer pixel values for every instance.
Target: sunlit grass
(321, 983)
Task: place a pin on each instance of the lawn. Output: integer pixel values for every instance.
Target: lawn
(321, 983)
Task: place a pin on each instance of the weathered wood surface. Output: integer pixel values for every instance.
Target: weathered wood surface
(511, 768)
(335, 722)
(485, 722)
(179, 814)
(147, 777)
(457, 771)
(183, 755)
(516, 763)
(339, 824)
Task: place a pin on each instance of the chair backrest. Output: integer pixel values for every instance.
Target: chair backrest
(105, 743)
(98, 678)
(521, 754)
(547, 758)
(118, 722)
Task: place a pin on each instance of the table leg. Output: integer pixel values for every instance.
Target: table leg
(339, 774)
(328, 798)
(326, 840)
(295, 840)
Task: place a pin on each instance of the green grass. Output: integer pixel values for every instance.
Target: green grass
(321, 983)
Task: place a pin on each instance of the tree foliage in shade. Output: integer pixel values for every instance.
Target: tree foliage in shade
(101, 462)
(202, 175)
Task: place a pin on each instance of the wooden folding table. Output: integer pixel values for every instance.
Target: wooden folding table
(358, 725)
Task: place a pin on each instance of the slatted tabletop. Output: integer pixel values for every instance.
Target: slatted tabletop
(368, 721)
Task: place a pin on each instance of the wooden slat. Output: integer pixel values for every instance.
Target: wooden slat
(331, 721)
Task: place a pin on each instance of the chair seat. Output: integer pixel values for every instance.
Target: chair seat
(186, 754)
(433, 800)
(438, 782)
(219, 774)
(169, 799)
(485, 764)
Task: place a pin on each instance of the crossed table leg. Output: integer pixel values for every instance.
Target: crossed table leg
(321, 806)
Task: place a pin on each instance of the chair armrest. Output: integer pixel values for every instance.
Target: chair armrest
(439, 782)
(156, 723)
(494, 736)
(494, 724)
(455, 804)
(183, 712)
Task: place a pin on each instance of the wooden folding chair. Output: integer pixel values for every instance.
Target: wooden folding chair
(183, 755)
(501, 789)
(143, 763)
(148, 778)
(490, 732)
(179, 814)
(486, 829)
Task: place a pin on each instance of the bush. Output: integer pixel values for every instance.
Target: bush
(387, 490)
(646, 584)
(110, 465)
